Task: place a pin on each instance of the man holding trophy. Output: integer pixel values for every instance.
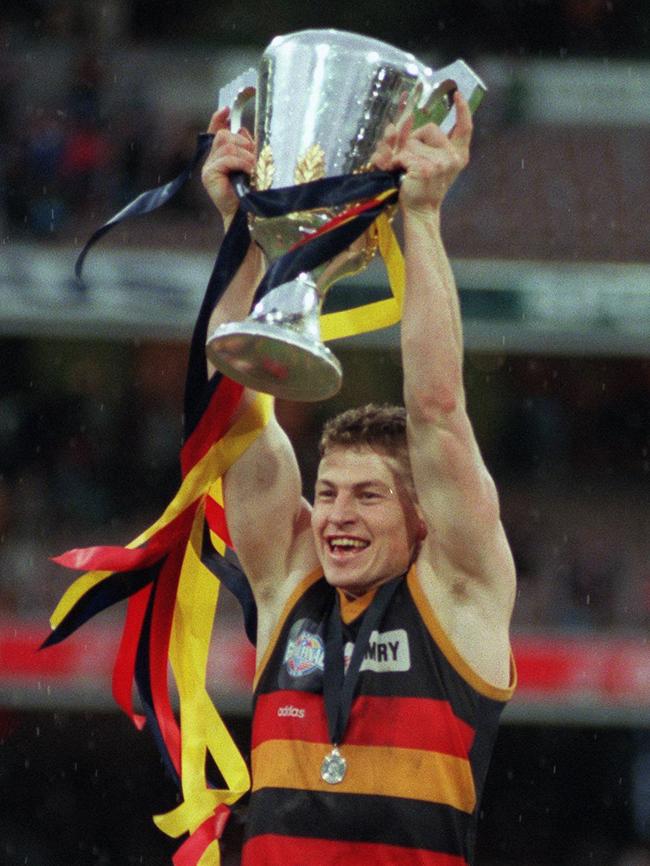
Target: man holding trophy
(383, 609)
(383, 655)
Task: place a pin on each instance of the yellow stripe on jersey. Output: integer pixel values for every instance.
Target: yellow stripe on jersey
(374, 770)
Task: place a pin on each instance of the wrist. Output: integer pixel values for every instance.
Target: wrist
(425, 218)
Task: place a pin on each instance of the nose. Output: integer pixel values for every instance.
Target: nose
(341, 511)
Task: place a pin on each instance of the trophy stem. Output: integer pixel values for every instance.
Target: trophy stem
(278, 348)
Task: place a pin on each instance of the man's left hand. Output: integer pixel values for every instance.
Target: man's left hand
(430, 159)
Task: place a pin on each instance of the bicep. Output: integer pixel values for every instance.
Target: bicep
(457, 495)
(264, 505)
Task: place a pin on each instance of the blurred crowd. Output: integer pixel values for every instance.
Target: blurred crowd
(89, 439)
(67, 165)
(90, 430)
(118, 118)
(62, 154)
(568, 440)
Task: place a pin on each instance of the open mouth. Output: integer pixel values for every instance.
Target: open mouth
(345, 546)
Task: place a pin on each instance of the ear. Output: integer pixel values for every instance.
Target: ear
(422, 530)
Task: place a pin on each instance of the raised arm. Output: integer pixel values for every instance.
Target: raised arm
(465, 557)
(267, 517)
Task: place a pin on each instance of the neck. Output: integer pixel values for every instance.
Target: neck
(352, 595)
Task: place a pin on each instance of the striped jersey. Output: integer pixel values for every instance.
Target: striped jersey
(417, 745)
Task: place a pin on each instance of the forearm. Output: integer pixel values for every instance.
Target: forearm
(236, 301)
(231, 152)
(432, 342)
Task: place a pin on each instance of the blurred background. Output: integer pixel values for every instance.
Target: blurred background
(548, 239)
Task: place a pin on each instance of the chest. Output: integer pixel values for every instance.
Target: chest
(398, 657)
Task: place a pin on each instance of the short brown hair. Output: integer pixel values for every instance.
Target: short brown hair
(381, 428)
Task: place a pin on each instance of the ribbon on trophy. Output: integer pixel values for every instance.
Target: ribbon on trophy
(168, 572)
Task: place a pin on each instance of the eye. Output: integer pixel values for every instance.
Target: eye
(325, 494)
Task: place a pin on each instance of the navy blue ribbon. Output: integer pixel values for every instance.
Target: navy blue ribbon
(327, 192)
(145, 691)
(110, 591)
(146, 202)
(339, 685)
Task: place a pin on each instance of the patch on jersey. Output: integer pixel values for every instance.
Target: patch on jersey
(387, 652)
(305, 652)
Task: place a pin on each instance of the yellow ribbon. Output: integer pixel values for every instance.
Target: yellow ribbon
(213, 465)
(211, 856)
(378, 314)
(202, 729)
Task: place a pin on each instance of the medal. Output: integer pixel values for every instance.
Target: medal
(333, 768)
(339, 684)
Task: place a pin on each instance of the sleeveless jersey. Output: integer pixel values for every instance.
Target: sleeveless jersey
(418, 743)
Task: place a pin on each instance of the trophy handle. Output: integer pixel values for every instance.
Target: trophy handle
(437, 104)
(237, 108)
(236, 94)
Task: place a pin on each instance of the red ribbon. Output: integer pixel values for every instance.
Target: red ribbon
(124, 669)
(193, 848)
(216, 516)
(108, 558)
(353, 211)
(161, 626)
(213, 424)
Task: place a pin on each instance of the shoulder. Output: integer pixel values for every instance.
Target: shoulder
(274, 618)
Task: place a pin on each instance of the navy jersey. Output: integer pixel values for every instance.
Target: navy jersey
(417, 746)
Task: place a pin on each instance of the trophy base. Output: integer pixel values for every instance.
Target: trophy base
(275, 360)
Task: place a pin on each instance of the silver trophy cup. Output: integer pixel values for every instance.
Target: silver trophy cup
(323, 101)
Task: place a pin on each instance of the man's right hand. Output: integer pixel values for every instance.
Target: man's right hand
(230, 152)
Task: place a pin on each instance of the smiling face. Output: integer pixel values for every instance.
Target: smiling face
(365, 525)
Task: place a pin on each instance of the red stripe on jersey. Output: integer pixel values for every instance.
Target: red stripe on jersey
(409, 723)
(272, 850)
(289, 715)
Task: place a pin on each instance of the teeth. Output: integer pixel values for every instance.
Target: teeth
(347, 542)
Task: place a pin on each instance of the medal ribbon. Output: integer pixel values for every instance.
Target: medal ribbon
(339, 685)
